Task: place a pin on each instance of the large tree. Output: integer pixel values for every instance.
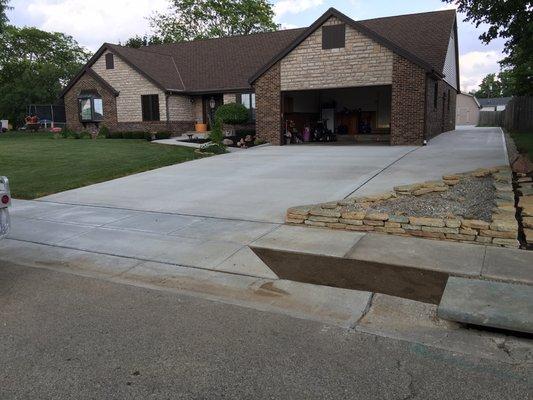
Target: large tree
(201, 19)
(494, 85)
(34, 67)
(511, 20)
(4, 6)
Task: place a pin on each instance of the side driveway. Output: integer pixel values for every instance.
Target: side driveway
(260, 184)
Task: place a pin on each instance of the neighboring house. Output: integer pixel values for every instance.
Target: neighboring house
(398, 75)
(467, 109)
(494, 103)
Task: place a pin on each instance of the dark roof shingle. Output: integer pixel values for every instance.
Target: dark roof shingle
(228, 64)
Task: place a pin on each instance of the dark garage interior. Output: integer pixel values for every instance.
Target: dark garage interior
(343, 115)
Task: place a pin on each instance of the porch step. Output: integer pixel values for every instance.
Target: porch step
(492, 304)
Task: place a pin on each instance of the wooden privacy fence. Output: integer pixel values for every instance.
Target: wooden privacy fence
(491, 118)
(517, 116)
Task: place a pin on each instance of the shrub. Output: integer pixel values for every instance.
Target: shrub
(216, 135)
(213, 148)
(163, 135)
(104, 131)
(66, 133)
(114, 135)
(232, 114)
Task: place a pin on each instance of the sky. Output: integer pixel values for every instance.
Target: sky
(94, 22)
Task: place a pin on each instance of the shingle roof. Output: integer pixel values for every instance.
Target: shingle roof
(426, 35)
(228, 64)
(495, 101)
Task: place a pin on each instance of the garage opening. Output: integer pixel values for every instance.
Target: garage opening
(343, 115)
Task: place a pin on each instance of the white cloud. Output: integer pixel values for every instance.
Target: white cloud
(475, 65)
(93, 22)
(283, 7)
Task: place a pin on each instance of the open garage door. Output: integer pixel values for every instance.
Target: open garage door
(343, 115)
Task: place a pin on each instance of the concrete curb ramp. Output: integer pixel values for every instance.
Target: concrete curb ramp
(411, 268)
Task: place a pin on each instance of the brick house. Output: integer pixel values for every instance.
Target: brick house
(393, 78)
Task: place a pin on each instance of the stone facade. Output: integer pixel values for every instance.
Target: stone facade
(175, 127)
(362, 62)
(268, 105)
(87, 82)
(124, 112)
(408, 102)
(131, 85)
(356, 214)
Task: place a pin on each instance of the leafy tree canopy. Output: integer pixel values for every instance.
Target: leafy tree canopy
(494, 85)
(201, 19)
(140, 41)
(4, 6)
(511, 20)
(34, 67)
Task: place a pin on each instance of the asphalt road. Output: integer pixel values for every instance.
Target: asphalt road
(67, 337)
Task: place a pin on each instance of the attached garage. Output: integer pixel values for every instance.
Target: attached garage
(352, 78)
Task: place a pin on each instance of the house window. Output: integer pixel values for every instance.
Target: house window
(109, 61)
(449, 98)
(248, 101)
(90, 106)
(435, 95)
(150, 107)
(333, 36)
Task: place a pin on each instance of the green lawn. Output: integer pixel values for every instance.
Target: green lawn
(524, 143)
(37, 164)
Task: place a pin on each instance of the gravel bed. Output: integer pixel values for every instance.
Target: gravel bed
(472, 198)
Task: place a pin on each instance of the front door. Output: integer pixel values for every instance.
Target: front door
(210, 104)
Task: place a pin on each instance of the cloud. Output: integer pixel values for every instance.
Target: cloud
(475, 65)
(92, 22)
(283, 7)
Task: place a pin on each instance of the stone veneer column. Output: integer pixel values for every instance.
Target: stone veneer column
(268, 105)
(408, 102)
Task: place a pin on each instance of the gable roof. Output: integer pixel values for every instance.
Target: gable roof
(472, 97)
(421, 38)
(233, 63)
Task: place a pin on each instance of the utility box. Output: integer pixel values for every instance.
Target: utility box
(4, 125)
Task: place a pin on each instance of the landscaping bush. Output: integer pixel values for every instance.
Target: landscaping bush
(163, 135)
(232, 114)
(66, 133)
(216, 135)
(113, 135)
(214, 149)
(104, 131)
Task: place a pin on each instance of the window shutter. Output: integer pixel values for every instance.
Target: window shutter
(155, 107)
(145, 103)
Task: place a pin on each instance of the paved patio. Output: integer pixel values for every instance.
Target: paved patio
(260, 184)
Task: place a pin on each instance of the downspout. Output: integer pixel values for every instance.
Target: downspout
(424, 139)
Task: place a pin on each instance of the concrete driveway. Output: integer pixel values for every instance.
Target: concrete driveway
(260, 184)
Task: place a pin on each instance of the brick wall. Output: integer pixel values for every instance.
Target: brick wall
(229, 98)
(408, 102)
(175, 127)
(440, 118)
(362, 62)
(268, 103)
(87, 82)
